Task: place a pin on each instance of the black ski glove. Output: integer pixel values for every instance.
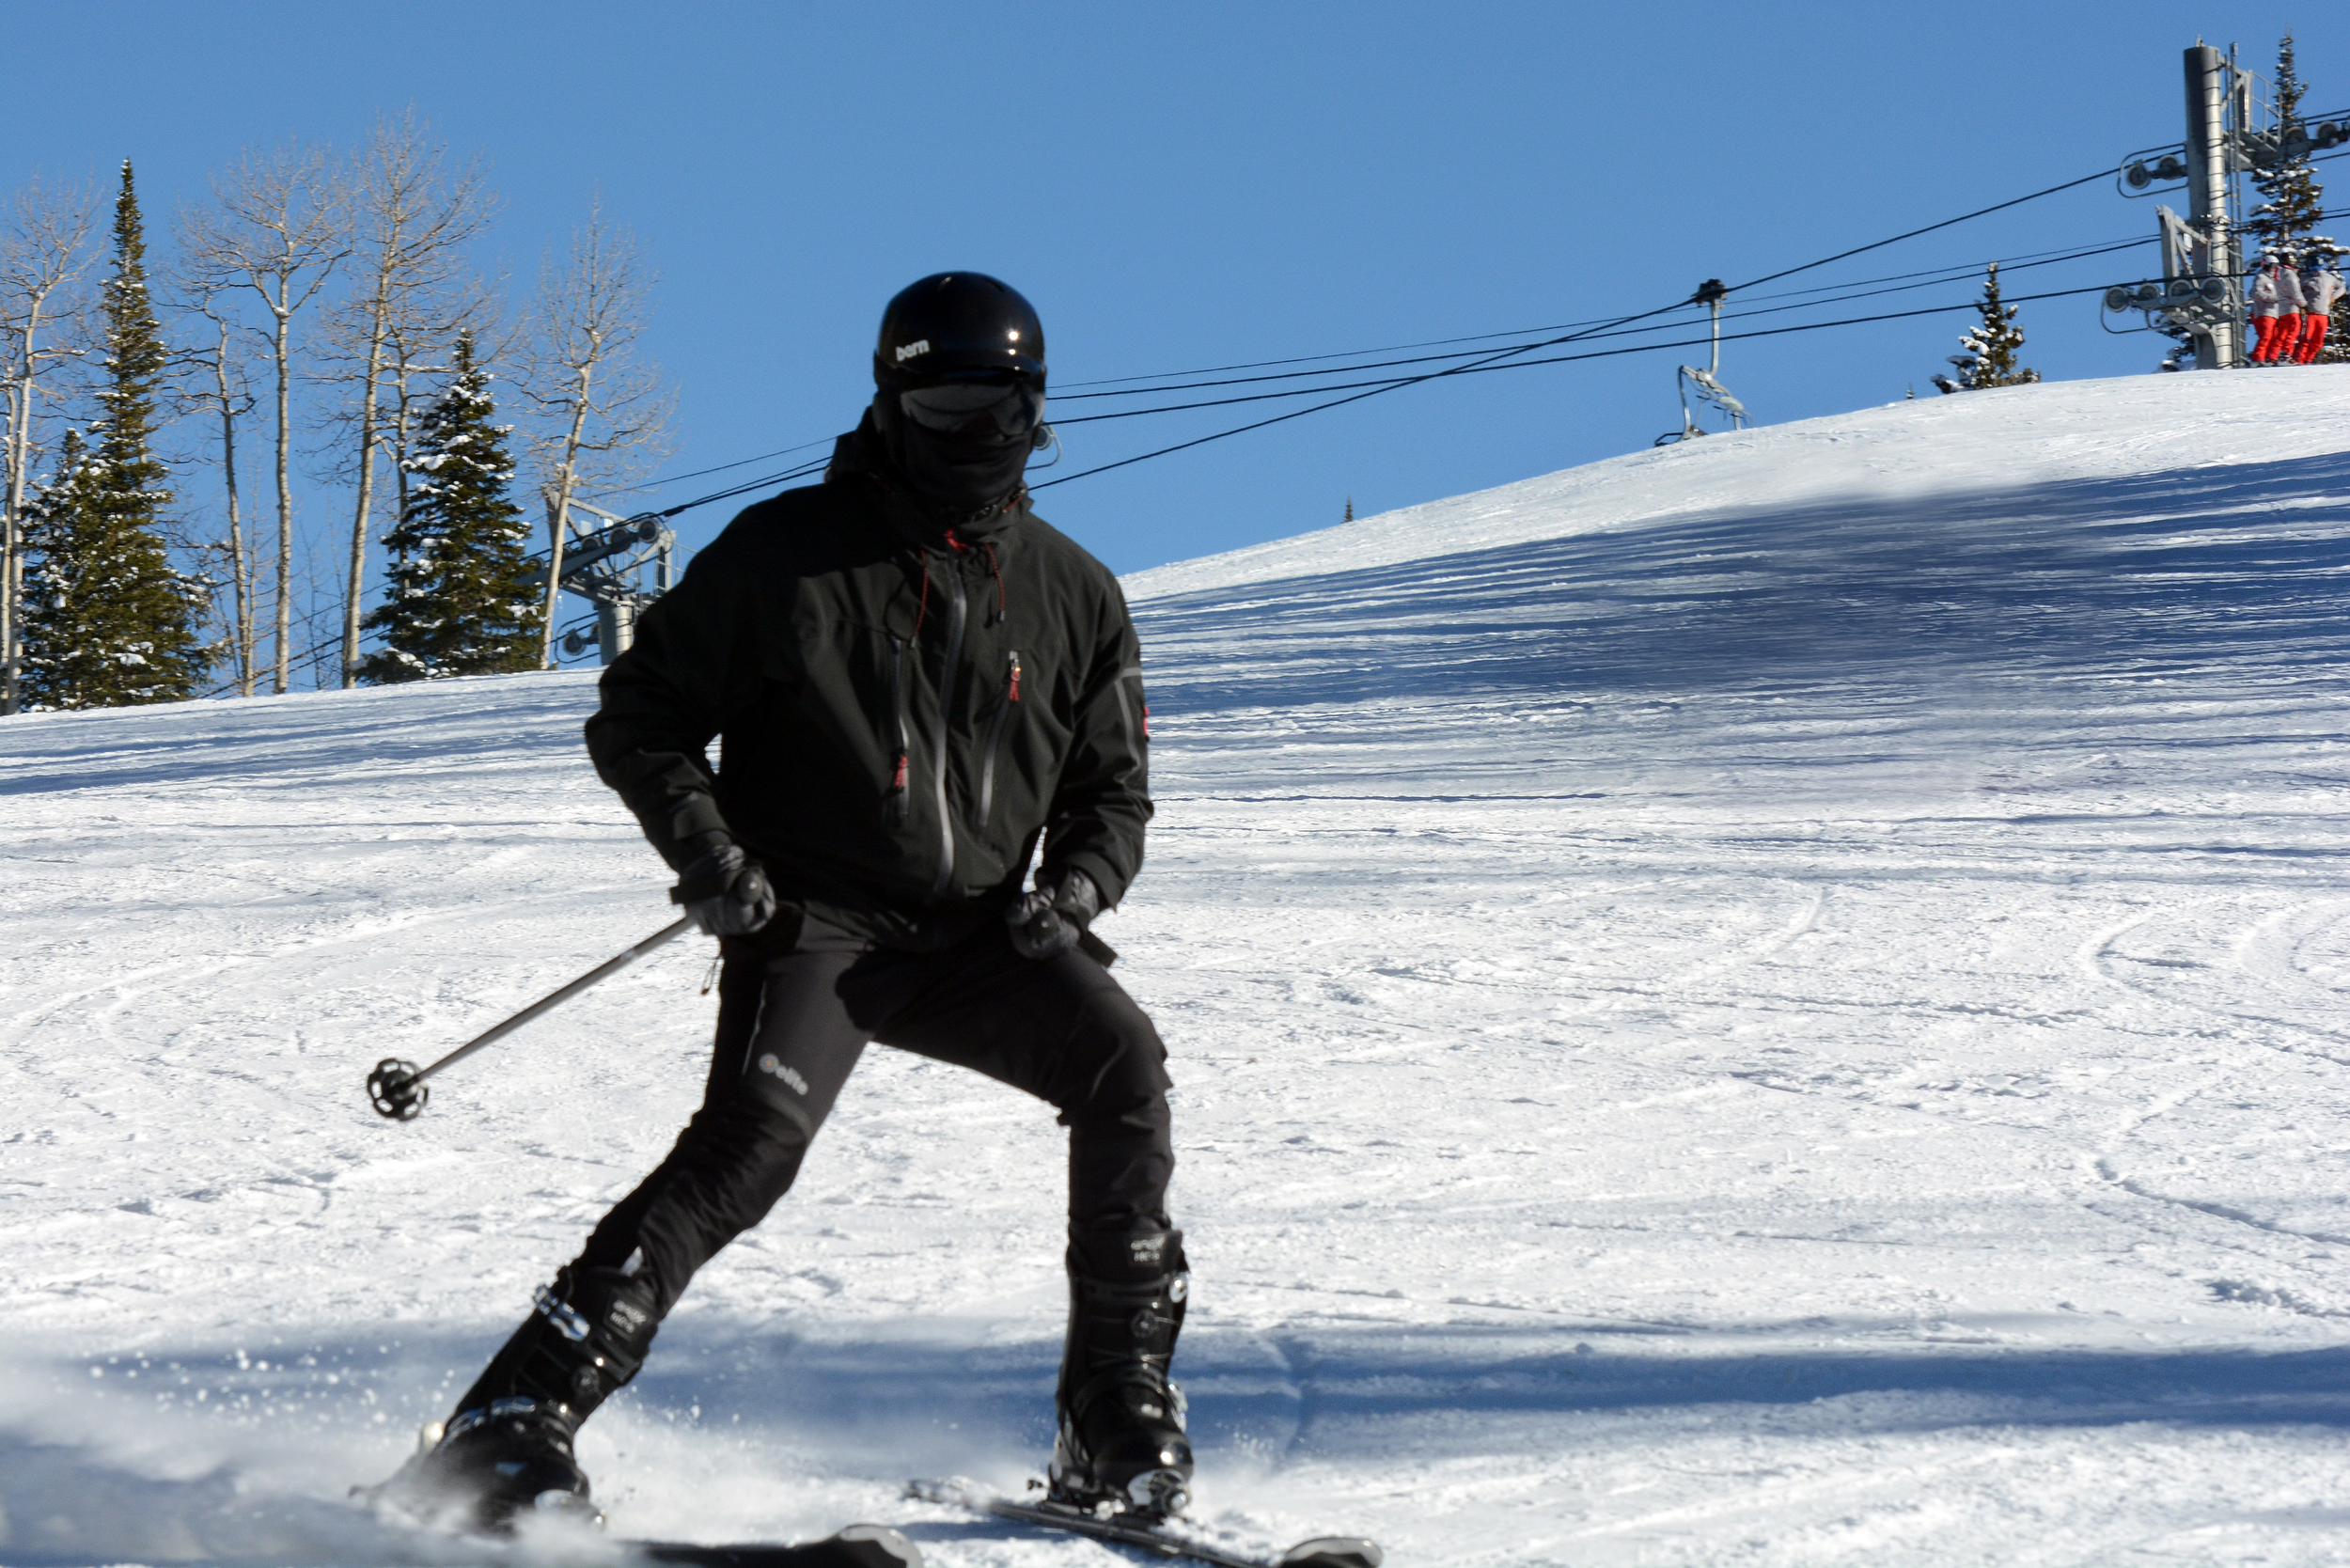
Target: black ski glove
(725, 892)
(1048, 922)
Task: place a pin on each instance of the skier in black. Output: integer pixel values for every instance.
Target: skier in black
(914, 679)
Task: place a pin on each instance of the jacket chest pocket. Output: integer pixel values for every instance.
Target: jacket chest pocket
(1007, 678)
(897, 727)
(848, 708)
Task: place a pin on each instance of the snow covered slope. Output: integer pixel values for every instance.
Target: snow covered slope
(1776, 1001)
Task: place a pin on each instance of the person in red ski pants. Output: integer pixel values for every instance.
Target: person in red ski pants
(2321, 286)
(2264, 307)
(2290, 307)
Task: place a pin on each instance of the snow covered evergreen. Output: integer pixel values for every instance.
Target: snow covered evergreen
(2292, 202)
(462, 598)
(108, 621)
(1987, 354)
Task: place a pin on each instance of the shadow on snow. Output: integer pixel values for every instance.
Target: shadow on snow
(2171, 571)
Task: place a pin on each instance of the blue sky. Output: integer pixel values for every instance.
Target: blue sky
(1181, 187)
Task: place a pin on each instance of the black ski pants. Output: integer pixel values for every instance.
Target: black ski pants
(790, 1030)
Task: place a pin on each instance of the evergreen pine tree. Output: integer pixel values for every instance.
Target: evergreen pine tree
(464, 600)
(2295, 202)
(1989, 359)
(1350, 511)
(107, 619)
(2337, 349)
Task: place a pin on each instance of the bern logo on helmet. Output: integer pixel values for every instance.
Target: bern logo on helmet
(907, 351)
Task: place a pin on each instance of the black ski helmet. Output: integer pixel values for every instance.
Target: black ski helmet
(958, 323)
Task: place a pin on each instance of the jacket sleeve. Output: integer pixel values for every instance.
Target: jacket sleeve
(695, 661)
(1103, 799)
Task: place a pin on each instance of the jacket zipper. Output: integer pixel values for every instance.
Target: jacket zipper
(994, 734)
(899, 798)
(956, 612)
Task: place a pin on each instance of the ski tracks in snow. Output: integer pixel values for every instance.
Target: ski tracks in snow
(1724, 1021)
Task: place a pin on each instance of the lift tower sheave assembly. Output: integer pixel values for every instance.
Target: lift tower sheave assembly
(605, 566)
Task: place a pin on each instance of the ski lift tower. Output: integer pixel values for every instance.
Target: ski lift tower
(1709, 380)
(606, 563)
(2230, 131)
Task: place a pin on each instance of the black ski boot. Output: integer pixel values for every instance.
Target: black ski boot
(1122, 1419)
(508, 1445)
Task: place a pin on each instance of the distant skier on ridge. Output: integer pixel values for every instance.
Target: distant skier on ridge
(916, 679)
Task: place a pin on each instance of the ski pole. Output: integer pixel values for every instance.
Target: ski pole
(397, 1087)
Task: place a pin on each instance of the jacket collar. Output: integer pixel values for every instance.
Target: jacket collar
(858, 459)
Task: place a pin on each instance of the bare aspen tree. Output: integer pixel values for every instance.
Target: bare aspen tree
(415, 354)
(44, 248)
(213, 384)
(278, 229)
(413, 218)
(607, 412)
(419, 346)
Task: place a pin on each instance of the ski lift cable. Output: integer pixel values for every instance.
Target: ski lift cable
(1310, 358)
(1747, 315)
(1559, 359)
(1388, 382)
(1880, 244)
(2027, 257)
(1813, 326)
(1439, 342)
(1852, 291)
(2014, 263)
(1840, 290)
(698, 473)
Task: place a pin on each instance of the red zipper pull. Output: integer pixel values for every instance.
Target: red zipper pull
(899, 782)
(1013, 695)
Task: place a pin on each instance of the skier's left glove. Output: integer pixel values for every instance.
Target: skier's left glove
(1048, 922)
(725, 892)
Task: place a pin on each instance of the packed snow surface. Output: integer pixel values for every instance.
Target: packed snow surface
(1779, 1001)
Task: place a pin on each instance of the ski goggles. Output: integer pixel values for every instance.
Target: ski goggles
(1011, 408)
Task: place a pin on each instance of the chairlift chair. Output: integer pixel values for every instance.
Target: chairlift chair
(1709, 380)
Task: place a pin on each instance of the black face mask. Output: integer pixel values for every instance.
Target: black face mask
(963, 470)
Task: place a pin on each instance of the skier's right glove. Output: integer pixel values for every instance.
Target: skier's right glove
(725, 892)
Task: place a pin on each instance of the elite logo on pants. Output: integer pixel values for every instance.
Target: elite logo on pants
(769, 1064)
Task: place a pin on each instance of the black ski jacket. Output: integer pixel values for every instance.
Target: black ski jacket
(903, 709)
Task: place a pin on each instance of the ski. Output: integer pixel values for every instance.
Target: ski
(1163, 1537)
(858, 1547)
